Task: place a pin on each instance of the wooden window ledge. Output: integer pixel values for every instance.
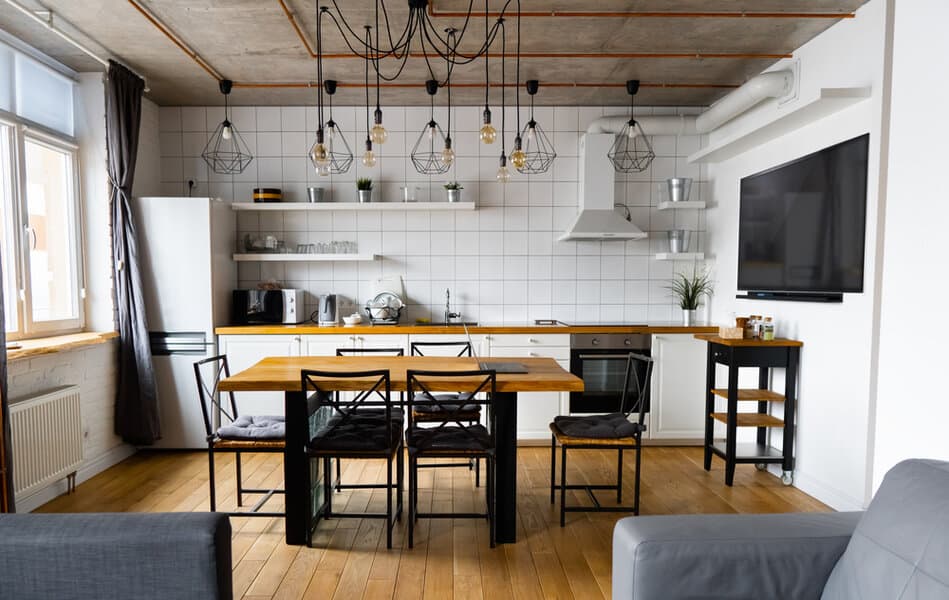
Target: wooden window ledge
(19, 349)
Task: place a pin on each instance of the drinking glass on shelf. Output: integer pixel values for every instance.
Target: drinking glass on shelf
(310, 248)
(301, 248)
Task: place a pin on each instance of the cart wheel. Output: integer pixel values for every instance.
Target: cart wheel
(787, 478)
(761, 466)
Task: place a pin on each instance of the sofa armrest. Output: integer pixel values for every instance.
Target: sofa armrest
(727, 556)
(116, 556)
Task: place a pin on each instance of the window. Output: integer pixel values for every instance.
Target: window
(39, 199)
(42, 268)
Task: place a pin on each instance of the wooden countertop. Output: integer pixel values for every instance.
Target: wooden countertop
(777, 342)
(310, 329)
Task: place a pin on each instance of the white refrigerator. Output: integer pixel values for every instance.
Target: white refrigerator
(186, 248)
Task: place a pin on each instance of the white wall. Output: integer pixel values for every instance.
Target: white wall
(148, 164)
(912, 412)
(502, 262)
(834, 423)
(93, 369)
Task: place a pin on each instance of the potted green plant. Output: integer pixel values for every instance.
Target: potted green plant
(689, 291)
(454, 191)
(364, 187)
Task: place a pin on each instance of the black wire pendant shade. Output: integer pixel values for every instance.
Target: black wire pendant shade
(538, 150)
(335, 157)
(631, 152)
(428, 149)
(226, 152)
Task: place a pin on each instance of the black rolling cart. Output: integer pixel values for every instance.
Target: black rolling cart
(763, 355)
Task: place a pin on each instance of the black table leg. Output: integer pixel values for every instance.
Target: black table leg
(731, 427)
(709, 405)
(296, 469)
(790, 406)
(505, 407)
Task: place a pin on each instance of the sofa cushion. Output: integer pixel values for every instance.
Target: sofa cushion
(900, 548)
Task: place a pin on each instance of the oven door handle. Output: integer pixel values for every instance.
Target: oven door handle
(603, 356)
(622, 356)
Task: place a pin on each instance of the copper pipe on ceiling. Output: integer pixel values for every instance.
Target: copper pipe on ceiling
(649, 14)
(546, 84)
(593, 55)
(176, 40)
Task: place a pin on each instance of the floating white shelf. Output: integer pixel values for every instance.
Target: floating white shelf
(680, 256)
(829, 101)
(260, 257)
(323, 206)
(669, 205)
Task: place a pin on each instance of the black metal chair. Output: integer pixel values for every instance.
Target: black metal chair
(238, 434)
(612, 431)
(450, 437)
(356, 426)
(339, 485)
(471, 413)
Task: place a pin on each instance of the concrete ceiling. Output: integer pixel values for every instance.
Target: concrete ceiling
(254, 42)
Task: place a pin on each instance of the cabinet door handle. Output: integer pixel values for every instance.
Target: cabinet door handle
(532, 354)
(532, 340)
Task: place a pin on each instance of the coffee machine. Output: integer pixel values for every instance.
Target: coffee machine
(328, 311)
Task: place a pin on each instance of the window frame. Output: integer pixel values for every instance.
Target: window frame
(20, 131)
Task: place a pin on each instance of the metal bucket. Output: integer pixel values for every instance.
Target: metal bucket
(679, 188)
(314, 194)
(454, 195)
(365, 196)
(679, 240)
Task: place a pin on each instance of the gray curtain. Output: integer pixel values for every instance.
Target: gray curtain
(6, 494)
(136, 403)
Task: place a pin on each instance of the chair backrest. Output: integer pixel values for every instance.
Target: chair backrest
(454, 348)
(362, 351)
(371, 392)
(478, 388)
(636, 382)
(208, 374)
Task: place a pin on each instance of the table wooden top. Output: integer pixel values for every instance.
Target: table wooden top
(777, 342)
(282, 373)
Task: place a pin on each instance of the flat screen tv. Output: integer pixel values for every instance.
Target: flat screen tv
(802, 225)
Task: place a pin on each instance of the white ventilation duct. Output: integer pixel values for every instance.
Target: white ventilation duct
(773, 84)
(596, 219)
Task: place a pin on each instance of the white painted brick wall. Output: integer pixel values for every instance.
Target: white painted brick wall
(93, 369)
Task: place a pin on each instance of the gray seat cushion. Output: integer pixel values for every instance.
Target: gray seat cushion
(611, 426)
(900, 548)
(251, 427)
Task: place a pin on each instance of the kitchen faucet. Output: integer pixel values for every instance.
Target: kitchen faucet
(448, 314)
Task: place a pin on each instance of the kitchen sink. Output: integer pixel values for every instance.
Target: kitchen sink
(451, 324)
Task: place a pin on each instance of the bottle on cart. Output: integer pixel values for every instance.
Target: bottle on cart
(767, 329)
(755, 323)
(746, 323)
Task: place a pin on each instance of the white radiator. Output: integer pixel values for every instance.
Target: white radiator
(46, 432)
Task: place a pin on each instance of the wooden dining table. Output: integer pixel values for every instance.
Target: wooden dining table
(282, 373)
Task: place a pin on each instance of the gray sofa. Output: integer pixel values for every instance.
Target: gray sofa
(113, 556)
(897, 549)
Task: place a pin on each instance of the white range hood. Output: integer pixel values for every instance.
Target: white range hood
(597, 220)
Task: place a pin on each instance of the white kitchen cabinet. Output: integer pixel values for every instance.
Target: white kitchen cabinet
(479, 342)
(244, 351)
(535, 410)
(326, 345)
(678, 389)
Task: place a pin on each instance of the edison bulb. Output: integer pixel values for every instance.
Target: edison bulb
(432, 130)
(488, 133)
(504, 175)
(530, 136)
(369, 158)
(226, 133)
(448, 156)
(323, 170)
(632, 130)
(518, 159)
(318, 154)
(379, 134)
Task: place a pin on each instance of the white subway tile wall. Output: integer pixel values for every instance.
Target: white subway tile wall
(503, 262)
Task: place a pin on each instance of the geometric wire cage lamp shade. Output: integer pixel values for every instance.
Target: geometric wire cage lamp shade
(631, 152)
(226, 152)
(427, 153)
(339, 157)
(539, 153)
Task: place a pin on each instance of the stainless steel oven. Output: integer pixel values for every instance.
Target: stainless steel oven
(600, 361)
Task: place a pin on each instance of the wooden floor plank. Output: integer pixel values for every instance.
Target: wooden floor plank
(452, 557)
